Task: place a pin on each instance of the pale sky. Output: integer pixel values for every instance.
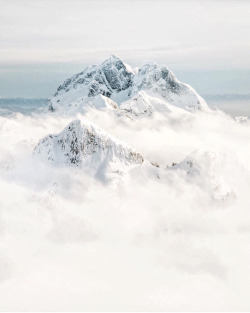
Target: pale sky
(205, 43)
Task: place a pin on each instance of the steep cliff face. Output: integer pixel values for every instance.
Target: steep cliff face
(116, 80)
(110, 78)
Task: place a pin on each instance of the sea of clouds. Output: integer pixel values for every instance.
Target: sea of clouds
(175, 242)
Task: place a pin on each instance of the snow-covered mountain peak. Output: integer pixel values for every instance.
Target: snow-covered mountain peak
(115, 61)
(162, 82)
(82, 144)
(114, 57)
(152, 66)
(112, 77)
(116, 80)
(156, 77)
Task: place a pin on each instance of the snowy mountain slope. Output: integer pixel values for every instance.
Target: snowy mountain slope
(84, 145)
(116, 80)
(211, 171)
(143, 104)
(83, 104)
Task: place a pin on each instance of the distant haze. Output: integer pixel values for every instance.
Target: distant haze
(205, 43)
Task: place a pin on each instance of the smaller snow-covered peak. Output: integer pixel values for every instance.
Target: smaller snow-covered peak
(159, 80)
(155, 72)
(152, 66)
(117, 62)
(85, 145)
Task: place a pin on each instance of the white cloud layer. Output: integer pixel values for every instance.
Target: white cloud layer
(69, 242)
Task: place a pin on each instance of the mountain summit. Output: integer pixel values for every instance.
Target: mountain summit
(84, 145)
(117, 81)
